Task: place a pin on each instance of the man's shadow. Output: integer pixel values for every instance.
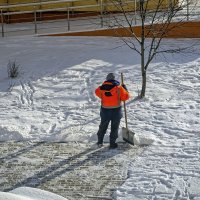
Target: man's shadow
(92, 155)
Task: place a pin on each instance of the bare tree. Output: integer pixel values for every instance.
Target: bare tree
(156, 17)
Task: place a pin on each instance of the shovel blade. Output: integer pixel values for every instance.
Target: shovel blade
(128, 136)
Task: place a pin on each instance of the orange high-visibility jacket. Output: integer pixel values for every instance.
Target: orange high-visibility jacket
(111, 94)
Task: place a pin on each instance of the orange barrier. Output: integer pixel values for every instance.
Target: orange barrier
(174, 30)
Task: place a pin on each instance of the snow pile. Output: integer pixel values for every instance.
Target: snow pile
(11, 132)
(26, 193)
(142, 139)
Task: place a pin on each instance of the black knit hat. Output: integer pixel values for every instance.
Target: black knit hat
(110, 76)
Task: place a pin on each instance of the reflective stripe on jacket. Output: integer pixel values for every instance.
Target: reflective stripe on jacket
(111, 94)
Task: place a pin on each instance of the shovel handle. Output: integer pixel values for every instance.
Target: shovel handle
(122, 78)
(125, 114)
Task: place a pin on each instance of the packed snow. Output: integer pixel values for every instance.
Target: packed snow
(53, 99)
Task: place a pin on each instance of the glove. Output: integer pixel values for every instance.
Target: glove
(124, 86)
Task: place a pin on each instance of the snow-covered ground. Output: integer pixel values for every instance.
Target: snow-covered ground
(53, 100)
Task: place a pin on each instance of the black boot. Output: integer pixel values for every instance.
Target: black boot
(113, 145)
(99, 144)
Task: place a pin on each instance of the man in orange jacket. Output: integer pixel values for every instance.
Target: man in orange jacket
(111, 94)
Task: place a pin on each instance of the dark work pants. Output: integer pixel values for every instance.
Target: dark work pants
(112, 115)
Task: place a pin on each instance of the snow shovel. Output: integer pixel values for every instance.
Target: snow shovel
(127, 135)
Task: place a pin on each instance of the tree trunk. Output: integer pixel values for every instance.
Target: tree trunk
(143, 70)
(144, 81)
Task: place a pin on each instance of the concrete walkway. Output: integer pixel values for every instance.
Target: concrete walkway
(72, 170)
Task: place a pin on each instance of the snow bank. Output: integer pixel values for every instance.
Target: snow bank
(26, 193)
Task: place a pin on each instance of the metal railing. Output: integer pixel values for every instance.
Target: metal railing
(68, 10)
(62, 25)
